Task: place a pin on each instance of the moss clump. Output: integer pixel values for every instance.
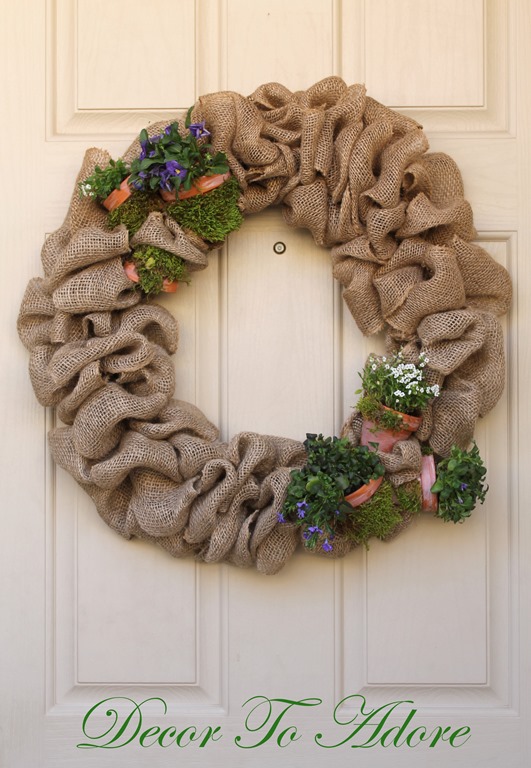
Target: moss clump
(371, 409)
(409, 497)
(211, 215)
(134, 211)
(376, 517)
(154, 265)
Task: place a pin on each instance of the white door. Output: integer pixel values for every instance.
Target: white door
(438, 621)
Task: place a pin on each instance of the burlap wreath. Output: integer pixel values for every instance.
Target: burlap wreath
(359, 177)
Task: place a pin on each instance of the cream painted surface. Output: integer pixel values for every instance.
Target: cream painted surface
(441, 615)
(436, 61)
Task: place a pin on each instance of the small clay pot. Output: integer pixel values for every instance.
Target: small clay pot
(371, 432)
(118, 196)
(364, 493)
(199, 187)
(430, 501)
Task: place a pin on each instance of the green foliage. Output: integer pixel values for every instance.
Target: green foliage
(211, 215)
(460, 484)
(316, 494)
(376, 517)
(409, 497)
(104, 180)
(154, 265)
(135, 210)
(396, 384)
(371, 409)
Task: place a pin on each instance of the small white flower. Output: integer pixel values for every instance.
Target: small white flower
(374, 366)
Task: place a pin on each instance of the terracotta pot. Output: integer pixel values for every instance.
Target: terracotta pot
(200, 186)
(168, 286)
(371, 432)
(364, 493)
(131, 271)
(430, 501)
(118, 196)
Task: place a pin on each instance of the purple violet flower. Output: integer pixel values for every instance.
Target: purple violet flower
(308, 533)
(280, 517)
(171, 168)
(326, 546)
(302, 506)
(464, 486)
(143, 151)
(198, 130)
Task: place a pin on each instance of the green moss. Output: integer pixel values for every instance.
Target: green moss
(372, 410)
(212, 215)
(376, 517)
(135, 211)
(409, 497)
(154, 265)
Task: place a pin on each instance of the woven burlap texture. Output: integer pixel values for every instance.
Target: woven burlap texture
(358, 176)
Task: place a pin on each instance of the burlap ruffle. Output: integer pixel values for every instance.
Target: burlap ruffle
(359, 177)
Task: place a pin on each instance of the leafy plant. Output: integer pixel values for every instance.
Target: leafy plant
(104, 180)
(460, 484)
(154, 265)
(213, 215)
(316, 494)
(402, 386)
(171, 160)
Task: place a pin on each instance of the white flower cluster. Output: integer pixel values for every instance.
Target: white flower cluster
(410, 376)
(85, 189)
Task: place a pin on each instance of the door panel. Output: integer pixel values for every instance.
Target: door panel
(438, 617)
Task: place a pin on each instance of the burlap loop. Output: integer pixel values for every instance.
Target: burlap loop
(226, 531)
(487, 284)
(403, 464)
(360, 293)
(165, 233)
(273, 553)
(358, 176)
(99, 287)
(87, 246)
(419, 280)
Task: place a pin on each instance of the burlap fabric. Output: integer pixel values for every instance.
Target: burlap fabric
(359, 177)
